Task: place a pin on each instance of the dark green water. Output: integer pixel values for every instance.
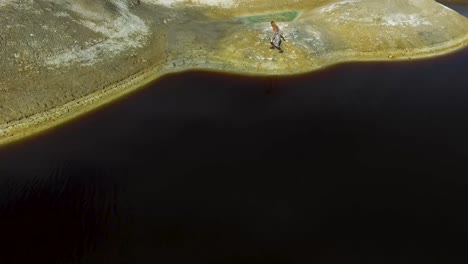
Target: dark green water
(361, 163)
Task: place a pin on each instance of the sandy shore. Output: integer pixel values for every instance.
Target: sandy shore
(32, 125)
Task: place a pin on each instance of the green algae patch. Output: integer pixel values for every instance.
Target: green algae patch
(286, 16)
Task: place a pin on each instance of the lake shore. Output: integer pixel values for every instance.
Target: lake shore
(43, 121)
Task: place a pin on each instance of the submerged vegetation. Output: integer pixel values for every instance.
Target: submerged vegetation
(286, 16)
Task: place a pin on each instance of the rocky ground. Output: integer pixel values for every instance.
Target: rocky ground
(60, 58)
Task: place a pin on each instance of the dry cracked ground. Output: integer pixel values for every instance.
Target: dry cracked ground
(60, 58)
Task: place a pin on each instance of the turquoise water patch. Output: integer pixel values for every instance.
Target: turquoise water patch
(280, 17)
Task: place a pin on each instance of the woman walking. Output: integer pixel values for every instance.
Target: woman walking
(277, 36)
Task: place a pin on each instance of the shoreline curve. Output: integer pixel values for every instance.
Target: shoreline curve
(27, 127)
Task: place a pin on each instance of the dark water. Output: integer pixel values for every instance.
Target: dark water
(462, 9)
(362, 163)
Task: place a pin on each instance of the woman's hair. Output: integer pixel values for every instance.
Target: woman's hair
(274, 26)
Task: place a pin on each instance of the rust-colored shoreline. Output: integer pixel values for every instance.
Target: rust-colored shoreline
(34, 124)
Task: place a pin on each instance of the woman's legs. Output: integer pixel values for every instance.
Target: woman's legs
(273, 46)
